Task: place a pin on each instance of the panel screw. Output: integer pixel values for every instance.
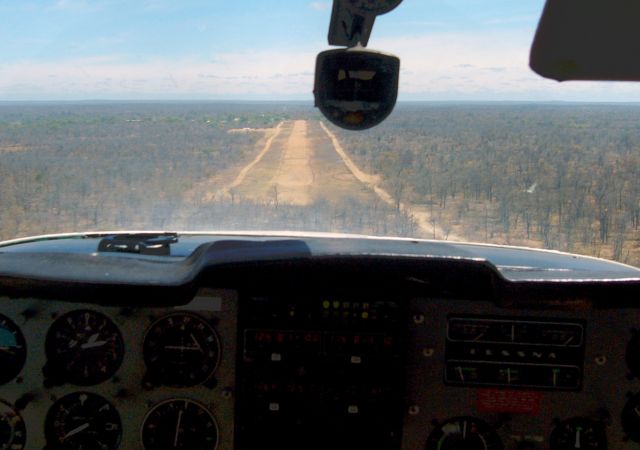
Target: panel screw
(418, 319)
(428, 352)
(601, 360)
(227, 393)
(414, 410)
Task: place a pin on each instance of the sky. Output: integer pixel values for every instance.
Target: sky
(450, 50)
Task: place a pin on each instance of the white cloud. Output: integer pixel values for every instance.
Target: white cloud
(238, 75)
(489, 66)
(528, 19)
(77, 5)
(442, 66)
(320, 6)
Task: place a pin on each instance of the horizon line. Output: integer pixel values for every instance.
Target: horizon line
(307, 102)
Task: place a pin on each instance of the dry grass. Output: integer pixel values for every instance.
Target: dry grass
(480, 223)
(13, 148)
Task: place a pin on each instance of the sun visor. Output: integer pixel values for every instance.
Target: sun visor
(588, 40)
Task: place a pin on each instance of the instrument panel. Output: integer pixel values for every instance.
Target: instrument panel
(321, 371)
(83, 376)
(288, 371)
(482, 377)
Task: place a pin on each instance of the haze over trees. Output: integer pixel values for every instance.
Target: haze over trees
(557, 176)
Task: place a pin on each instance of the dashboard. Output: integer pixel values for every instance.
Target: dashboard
(315, 343)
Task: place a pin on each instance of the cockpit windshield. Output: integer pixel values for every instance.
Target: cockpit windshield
(198, 115)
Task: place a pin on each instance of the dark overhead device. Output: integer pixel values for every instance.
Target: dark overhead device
(352, 20)
(588, 40)
(356, 88)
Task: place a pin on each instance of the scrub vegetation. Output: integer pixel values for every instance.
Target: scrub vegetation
(562, 176)
(559, 176)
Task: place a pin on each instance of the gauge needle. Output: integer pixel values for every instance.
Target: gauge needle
(578, 445)
(181, 347)
(479, 336)
(175, 439)
(8, 349)
(76, 430)
(93, 342)
(195, 341)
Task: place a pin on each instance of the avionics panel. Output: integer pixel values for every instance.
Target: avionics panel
(481, 376)
(514, 352)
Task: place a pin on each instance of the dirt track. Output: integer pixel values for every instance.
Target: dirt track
(297, 166)
(303, 161)
(294, 177)
(422, 218)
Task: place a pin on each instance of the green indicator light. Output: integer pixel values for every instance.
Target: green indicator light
(326, 304)
(336, 304)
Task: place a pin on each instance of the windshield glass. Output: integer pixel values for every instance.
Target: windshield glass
(198, 115)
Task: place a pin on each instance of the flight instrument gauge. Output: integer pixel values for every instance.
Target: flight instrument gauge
(180, 350)
(83, 421)
(631, 418)
(13, 433)
(179, 424)
(13, 350)
(578, 433)
(464, 433)
(84, 347)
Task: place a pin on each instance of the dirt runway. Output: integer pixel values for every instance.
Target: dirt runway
(299, 167)
(301, 162)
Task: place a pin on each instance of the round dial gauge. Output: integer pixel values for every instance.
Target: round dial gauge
(464, 433)
(631, 418)
(179, 424)
(374, 6)
(13, 350)
(181, 349)
(578, 433)
(12, 430)
(84, 347)
(83, 421)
